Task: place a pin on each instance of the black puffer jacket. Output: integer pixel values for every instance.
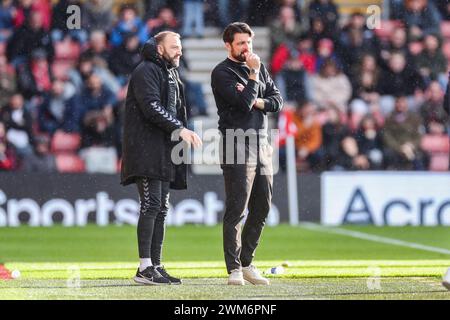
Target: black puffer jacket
(155, 107)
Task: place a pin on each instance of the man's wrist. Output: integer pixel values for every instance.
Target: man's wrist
(254, 71)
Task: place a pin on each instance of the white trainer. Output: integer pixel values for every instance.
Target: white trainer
(446, 279)
(236, 278)
(252, 275)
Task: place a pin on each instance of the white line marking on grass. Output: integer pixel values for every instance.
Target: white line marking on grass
(371, 237)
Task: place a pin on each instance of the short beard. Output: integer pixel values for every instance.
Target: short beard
(240, 57)
(171, 61)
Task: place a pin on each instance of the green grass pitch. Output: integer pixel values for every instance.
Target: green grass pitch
(99, 262)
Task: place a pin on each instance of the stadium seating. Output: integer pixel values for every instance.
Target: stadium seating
(63, 142)
(67, 50)
(69, 163)
(438, 148)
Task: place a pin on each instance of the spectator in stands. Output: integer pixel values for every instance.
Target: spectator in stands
(27, 38)
(41, 160)
(34, 78)
(231, 10)
(365, 83)
(285, 29)
(370, 143)
(419, 16)
(398, 42)
(290, 71)
(7, 12)
(98, 46)
(88, 65)
(325, 50)
(444, 8)
(98, 117)
(125, 58)
(98, 134)
(129, 22)
(8, 82)
(399, 79)
(193, 15)
(330, 87)
(349, 157)
(415, 47)
(290, 65)
(431, 110)
(19, 125)
(327, 10)
(431, 62)
(260, 12)
(59, 22)
(152, 7)
(339, 147)
(401, 138)
(26, 8)
(317, 31)
(309, 135)
(303, 50)
(7, 155)
(97, 15)
(165, 20)
(296, 6)
(357, 21)
(57, 109)
(355, 40)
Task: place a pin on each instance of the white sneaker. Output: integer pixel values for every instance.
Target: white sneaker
(446, 279)
(236, 278)
(252, 275)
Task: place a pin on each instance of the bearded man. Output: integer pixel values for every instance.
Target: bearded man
(244, 93)
(155, 111)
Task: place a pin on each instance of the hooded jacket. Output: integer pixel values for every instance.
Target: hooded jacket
(154, 108)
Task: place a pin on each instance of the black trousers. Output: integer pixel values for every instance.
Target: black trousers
(246, 185)
(154, 205)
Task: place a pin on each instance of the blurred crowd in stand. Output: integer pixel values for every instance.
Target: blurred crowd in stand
(355, 98)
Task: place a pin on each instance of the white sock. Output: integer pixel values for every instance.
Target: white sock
(144, 263)
(447, 276)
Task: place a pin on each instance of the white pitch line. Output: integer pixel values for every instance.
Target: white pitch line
(371, 237)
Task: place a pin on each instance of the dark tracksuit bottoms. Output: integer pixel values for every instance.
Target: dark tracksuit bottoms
(154, 205)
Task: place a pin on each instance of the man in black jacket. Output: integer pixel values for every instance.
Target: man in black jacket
(244, 93)
(29, 37)
(155, 113)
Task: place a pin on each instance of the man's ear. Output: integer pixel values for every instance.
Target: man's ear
(159, 49)
(228, 46)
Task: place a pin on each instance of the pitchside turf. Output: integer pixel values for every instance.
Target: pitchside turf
(324, 263)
